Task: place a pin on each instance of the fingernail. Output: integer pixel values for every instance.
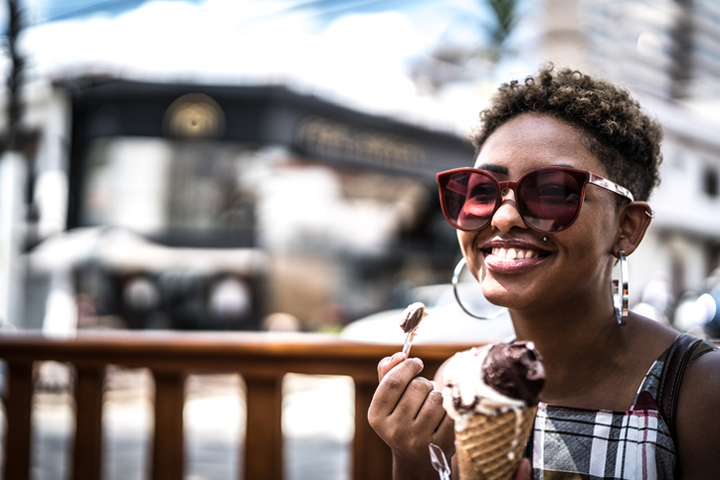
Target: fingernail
(420, 362)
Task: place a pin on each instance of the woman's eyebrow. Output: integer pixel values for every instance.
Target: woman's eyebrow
(490, 167)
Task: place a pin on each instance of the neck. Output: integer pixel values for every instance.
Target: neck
(578, 346)
(575, 324)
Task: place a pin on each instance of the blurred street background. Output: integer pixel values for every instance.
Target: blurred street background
(270, 165)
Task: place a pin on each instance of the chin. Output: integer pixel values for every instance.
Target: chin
(495, 293)
(503, 295)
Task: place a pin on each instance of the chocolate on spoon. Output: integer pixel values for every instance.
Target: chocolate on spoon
(412, 316)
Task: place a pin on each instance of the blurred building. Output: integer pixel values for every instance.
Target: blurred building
(668, 54)
(669, 49)
(201, 206)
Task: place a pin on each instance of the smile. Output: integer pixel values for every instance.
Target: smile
(514, 253)
(513, 259)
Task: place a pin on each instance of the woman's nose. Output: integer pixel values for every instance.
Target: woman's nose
(507, 215)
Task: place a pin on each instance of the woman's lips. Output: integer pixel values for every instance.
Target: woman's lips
(513, 259)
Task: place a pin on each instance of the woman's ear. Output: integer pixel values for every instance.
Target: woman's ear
(635, 219)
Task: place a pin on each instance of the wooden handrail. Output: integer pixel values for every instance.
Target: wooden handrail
(262, 359)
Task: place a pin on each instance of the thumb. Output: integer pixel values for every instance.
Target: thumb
(524, 470)
(388, 363)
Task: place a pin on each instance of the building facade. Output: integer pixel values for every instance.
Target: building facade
(667, 54)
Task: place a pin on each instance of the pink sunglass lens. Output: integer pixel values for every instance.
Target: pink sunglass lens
(549, 200)
(470, 199)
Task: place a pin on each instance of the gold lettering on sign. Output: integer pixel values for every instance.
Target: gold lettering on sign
(326, 136)
(194, 115)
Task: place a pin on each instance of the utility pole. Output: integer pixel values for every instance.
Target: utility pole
(13, 172)
(15, 76)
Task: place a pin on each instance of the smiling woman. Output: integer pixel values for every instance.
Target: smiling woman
(543, 241)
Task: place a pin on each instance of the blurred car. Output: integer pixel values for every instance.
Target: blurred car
(446, 322)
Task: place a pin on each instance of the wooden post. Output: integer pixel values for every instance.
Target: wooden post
(87, 456)
(18, 410)
(263, 437)
(371, 458)
(168, 459)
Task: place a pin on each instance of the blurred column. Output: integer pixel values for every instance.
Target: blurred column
(12, 207)
(13, 173)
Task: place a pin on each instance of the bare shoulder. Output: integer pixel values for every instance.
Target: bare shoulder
(698, 418)
(650, 335)
(648, 340)
(702, 378)
(701, 384)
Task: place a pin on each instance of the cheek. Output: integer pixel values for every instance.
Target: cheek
(466, 240)
(604, 229)
(591, 239)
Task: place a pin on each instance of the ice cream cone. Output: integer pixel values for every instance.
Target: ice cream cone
(492, 393)
(489, 447)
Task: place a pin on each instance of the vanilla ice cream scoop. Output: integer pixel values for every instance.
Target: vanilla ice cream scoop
(493, 379)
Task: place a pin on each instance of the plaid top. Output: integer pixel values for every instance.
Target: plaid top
(571, 443)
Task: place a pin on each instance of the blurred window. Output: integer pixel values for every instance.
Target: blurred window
(171, 189)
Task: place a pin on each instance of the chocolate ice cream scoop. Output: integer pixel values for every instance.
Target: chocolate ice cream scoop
(412, 316)
(515, 370)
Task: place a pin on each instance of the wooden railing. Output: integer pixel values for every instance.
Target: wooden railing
(262, 359)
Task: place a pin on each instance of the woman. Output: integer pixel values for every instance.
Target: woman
(547, 254)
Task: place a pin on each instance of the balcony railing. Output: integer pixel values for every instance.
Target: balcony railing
(262, 359)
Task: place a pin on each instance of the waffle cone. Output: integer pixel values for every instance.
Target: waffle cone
(490, 447)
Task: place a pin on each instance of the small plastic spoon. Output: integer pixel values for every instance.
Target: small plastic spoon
(439, 461)
(412, 316)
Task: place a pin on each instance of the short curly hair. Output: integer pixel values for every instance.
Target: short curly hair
(621, 135)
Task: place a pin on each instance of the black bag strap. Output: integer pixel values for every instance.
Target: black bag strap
(679, 354)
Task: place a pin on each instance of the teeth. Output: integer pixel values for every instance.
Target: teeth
(514, 253)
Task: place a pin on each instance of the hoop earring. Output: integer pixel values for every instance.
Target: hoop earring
(620, 296)
(456, 276)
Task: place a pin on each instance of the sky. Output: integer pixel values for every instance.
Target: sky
(357, 52)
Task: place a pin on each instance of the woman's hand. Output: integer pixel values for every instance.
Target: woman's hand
(407, 412)
(524, 471)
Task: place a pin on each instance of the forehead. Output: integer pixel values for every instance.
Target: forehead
(533, 140)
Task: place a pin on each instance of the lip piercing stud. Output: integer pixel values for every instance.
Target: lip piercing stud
(545, 239)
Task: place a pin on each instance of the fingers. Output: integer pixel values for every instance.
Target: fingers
(445, 434)
(433, 421)
(417, 398)
(394, 382)
(388, 363)
(524, 470)
(406, 410)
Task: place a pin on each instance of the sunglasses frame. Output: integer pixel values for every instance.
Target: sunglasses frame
(442, 180)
